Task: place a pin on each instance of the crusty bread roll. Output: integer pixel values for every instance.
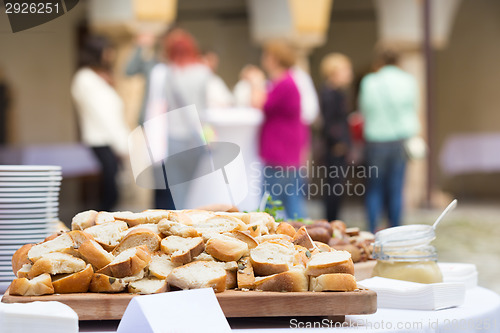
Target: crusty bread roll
(73, 283)
(40, 285)
(147, 286)
(95, 254)
(245, 276)
(169, 228)
(330, 262)
(133, 219)
(294, 280)
(244, 236)
(286, 229)
(160, 266)
(302, 238)
(199, 274)
(271, 258)
(182, 250)
(108, 234)
(128, 263)
(333, 282)
(83, 220)
(62, 243)
(136, 238)
(24, 271)
(56, 263)
(225, 248)
(20, 257)
(101, 283)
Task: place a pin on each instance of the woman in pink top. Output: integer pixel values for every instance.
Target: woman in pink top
(282, 136)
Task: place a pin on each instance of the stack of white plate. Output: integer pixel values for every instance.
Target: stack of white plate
(29, 209)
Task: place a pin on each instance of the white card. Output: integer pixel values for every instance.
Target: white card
(183, 311)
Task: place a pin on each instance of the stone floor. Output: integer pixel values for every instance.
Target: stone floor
(470, 234)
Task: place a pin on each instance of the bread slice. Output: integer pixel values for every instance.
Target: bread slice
(302, 238)
(128, 263)
(330, 262)
(160, 266)
(219, 225)
(199, 274)
(302, 256)
(62, 243)
(231, 268)
(254, 230)
(95, 254)
(56, 263)
(245, 275)
(274, 237)
(79, 237)
(104, 217)
(294, 280)
(24, 271)
(136, 238)
(182, 250)
(147, 286)
(20, 257)
(133, 219)
(272, 258)
(108, 234)
(322, 247)
(40, 285)
(225, 248)
(101, 283)
(244, 236)
(73, 283)
(333, 282)
(266, 222)
(286, 229)
(150, 226)
(196, 216)
(204, 257)
(83, 220)
(169, 228)
(180, 217)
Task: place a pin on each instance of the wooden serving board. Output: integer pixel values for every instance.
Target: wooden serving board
(234, 303)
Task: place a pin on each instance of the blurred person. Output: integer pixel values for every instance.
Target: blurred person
(282, 134)
(219, 95)
(388, 101)
(4, 108)
(309, 103)
(242, 91)
(180, 80)
(336, 69)
(101, 115)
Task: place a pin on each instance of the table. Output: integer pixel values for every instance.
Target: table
(479, 313)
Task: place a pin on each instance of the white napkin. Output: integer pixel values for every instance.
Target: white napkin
(458, 272)
(397, 294)
(39, 317)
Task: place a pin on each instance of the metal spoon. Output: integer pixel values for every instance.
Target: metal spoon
(450, 207)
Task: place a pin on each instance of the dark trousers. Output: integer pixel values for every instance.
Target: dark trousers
(163, 199)
(108, 189)
(331, 200)
(384, 189)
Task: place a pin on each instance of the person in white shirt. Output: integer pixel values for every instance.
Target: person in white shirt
(100, 112)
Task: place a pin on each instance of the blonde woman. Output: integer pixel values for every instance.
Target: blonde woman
(336, 70)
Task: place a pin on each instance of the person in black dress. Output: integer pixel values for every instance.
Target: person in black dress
(337, 71)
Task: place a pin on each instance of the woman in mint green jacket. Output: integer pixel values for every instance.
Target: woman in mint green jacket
(388, 100)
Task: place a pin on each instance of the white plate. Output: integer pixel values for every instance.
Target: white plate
(10, 247)
(30, 173)
(31, 226)
(27, 184)
(24, 238)
(7, 274)
(48, 215)
(30, 179)
(48, 189)
(7, 252)
(29, 195)
(25, 200)
(30, 168)
(23, 220)
(18, 205)
(17, 242)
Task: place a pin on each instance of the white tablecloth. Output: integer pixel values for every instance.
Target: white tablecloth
(479, 313)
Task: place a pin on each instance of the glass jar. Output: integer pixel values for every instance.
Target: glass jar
(405, 253)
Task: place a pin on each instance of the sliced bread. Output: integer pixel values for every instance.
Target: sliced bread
(24, 271)
(286, 229)
(20, 257)
(245, 276)
(225, 248)
(330, 262)
(182, 250)
(199, 274)
(302, 238)
(244, 236)
(108, 234)
(333, 282)
(133, 219)
(128, 263)
(294, 280)
(62, 243)
(56, 263)
(73, 283)
(40, 285)
(83, 220)
(147, 286)
(95, 254)
(101, 283)
(271, 258)
(169, 228)
(136, 238)
(161, 266)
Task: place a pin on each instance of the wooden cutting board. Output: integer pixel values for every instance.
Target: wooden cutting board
(94, 306)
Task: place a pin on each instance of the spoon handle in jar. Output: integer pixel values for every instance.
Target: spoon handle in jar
(450, 207)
